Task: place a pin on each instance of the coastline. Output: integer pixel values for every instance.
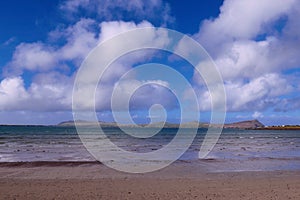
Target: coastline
(52, 163)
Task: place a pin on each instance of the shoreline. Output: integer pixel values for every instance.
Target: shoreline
(48, 163)
(210, 164)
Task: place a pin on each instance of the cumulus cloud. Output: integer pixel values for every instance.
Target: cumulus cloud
(79, 39)
(261, 92)
(257, 115)
(51, 90)
(252, 52)
(148, 93)
(12, 93)
(231, 37)
(113, 72)
(241, 20)
(41, 57)
(32, 56)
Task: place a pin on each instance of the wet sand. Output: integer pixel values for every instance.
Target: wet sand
(92, 180)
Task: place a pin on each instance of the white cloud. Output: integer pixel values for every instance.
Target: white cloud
(260, 93)
(118, 68)
(33, 56)
(49, 92)
(251, 68)
(81, 38)
(113, 28)
(52, 91)
(240, 20)
(257, 115)
(12, 93)
(42, 57)
(123, 64)
(147, 93)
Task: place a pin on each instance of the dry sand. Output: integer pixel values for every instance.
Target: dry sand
(179, 181)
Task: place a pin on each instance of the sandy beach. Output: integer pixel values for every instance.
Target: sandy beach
(92, 180)
(52, 163)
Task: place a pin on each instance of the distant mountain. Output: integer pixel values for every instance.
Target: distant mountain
(87, 123)
(251, 124)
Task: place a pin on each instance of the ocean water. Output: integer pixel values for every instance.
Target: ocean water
(236, 149)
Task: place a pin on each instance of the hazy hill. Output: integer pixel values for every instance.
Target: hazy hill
(250, 124)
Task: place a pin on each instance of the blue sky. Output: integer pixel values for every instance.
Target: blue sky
(254, 44)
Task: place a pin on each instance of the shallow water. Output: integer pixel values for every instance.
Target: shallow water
(236, 149)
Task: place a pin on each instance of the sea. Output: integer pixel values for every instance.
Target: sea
(236, 150)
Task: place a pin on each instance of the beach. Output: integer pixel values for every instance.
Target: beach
(91, 180)
(52, 163)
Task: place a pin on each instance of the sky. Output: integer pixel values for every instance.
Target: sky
(255, 45)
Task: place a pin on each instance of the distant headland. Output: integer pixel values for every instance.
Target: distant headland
(250, 124)
(242, 125)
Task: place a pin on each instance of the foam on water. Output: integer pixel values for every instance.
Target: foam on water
(236, 149)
